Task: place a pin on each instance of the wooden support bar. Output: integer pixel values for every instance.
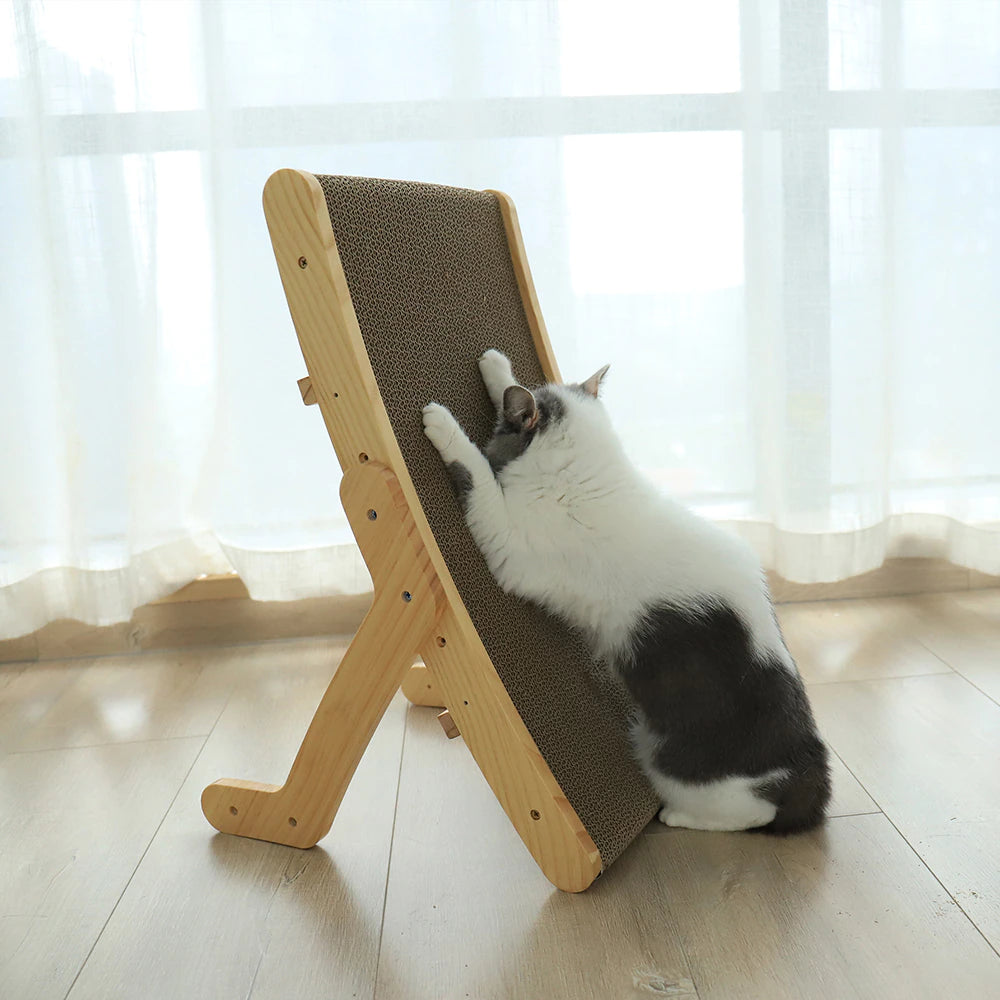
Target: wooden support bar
(448, 725)
(407, 605)
(307, 390)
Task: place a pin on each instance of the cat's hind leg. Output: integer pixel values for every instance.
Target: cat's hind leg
(497, 374)
(727, 804)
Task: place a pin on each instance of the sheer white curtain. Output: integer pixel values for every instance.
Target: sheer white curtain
(779, 220)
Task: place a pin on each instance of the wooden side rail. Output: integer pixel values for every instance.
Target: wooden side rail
(407, 606)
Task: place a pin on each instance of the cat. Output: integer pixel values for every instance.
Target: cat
(676, 607)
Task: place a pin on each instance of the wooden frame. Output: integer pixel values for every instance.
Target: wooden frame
(404, 559)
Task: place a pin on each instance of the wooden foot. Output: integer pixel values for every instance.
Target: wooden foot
(420, 689)
(406, 607)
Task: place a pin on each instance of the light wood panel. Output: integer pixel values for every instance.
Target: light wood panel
(124, 699)
(222, 619)
(210, 916)
(466, 917)
(244, 620)
(894, 578)
(849, 796)
(852, 640)
(420, 688)
(964, 631)
(344, 385)
(24, 647)
(216, 587)
(73, 826)
(31, 692)
(927, 749)
(406, 609)
(847, 913)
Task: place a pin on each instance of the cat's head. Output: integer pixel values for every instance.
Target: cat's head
(546, 413)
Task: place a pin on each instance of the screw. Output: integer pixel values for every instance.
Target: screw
(535, 814)
(292, 821)
(372, 515)
(303, 263)
(407, 596)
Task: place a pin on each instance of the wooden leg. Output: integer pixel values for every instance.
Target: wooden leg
(420, 688)
(402, 616)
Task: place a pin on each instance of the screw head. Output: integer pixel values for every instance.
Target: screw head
(372, 515)
(407, 596)
(303, 263)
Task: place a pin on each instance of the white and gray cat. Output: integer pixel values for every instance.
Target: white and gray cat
(676, 606)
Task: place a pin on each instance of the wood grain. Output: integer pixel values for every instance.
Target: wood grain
(122, 700)
(73, 827)
(420, 687)
(848, 912)
(893, 578)
(853, 640)
(465, 917)
(209, 916)
(964, 631)
(927, 749)
(407, 606)
(359, 428)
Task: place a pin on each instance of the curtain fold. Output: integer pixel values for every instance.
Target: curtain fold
(778, 220)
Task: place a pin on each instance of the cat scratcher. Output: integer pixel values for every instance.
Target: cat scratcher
(395, 290)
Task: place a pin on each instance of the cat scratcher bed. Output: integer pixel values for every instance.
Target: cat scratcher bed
(396, 289)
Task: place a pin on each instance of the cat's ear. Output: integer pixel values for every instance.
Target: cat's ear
(519, 407)
(593, 384)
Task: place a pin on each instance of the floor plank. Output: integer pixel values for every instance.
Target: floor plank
(30, 693)
(209, 915)
(928, 751)
(118, 699)
(854, 640)
(859, 910)
(849, 796)
(847, 912)
(469, 915)
(73, 827)
(964, 631)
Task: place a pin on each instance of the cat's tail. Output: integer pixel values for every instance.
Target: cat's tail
(803, 796)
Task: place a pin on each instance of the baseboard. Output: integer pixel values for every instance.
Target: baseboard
(207, 612)
(217, 611)
(894, 578)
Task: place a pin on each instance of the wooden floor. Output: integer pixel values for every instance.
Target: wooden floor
(113, 885)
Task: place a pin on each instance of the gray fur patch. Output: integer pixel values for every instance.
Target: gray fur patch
(510, 442)
(461, 479)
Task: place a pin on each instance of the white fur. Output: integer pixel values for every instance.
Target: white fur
(572, 525)
(729, 804)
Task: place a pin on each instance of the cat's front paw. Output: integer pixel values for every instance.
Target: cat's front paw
(442, 430)
(497, 374)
